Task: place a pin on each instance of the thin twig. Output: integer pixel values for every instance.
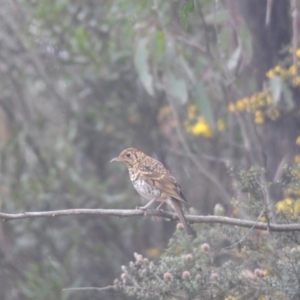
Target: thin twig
(110, 287)
(206, 30)
(268, 12)
(266, 194)
(152, 213)
(295, 30)
(246, 234)
(187, 40)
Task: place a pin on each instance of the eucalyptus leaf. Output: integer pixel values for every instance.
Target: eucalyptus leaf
(187, 68)
(185, 9)
(177, 88)
(160, 39)
(276, 88)
(234, 59)
(203, 104)
(217, 18)
(141, 57)
(287, 96)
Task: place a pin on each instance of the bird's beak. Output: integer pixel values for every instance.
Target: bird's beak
(115, 159)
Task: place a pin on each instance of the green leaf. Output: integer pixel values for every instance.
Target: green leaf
(187, 68)
(203, 104)
(160, 41)
(80, 39)
(141, 57)
(287, 96)
(234, 59)
(246, 41)
(276, 88)
(177, 88)
(185, 9)
(217, 18)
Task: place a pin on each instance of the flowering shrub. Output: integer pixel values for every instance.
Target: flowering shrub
(226, 262)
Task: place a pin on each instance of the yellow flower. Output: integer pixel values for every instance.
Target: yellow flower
(297, 159)
(164, 112)
(298, 52)
(292, 70)
(192, 111)
(284, 74)
(201, 128)
(292, 191)
(258, 117)
(198, 128)
(269, 100)
(273, 113)
(261, 103)
(286, 206)
(277, 69)
(270, 73)
(296, 81)
(235, 212)
(262, 219)
(221, 125)
(261, 95)
(266, 272)
(240, 105)
(153, 252)
(231, 107)
(178, 250)
(297, 206)
(254, 98)
(298, 141)
(245, 101)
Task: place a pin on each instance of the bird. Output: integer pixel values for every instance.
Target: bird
(154, 182)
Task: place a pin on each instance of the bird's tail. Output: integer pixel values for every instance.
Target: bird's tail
(178, 209)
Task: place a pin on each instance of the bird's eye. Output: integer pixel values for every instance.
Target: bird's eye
(128, 154)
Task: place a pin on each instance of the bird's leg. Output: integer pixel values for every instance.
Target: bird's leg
(159, 206)
(147, 205)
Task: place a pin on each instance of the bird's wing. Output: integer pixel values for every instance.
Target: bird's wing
(159, 177)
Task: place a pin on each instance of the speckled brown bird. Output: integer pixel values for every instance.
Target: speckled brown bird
(154, 182)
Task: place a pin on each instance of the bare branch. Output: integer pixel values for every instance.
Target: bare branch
(295, 30)
(153, 213)
(111, 287)
(268, 12)
(90, 288)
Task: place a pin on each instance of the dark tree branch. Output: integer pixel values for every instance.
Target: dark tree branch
(153, 213)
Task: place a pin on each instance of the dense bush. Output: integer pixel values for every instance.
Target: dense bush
(226, 262)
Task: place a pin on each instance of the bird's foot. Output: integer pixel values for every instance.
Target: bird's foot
(160, 211)
(142, 208)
